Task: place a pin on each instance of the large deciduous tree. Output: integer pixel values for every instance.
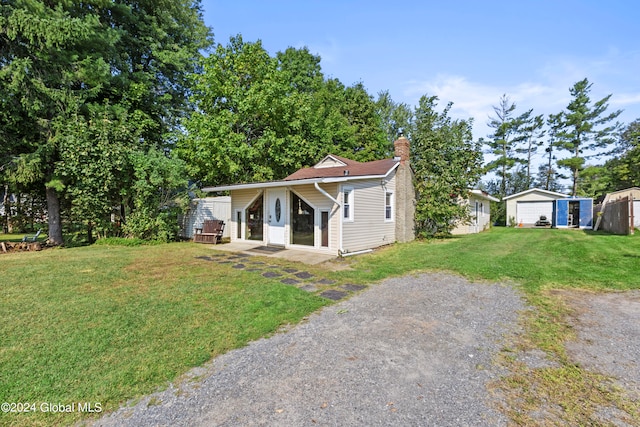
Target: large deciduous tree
(259, 117)
(61, 61)
(447, 164)
(583, 129)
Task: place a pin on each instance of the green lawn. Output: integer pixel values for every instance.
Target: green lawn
(535, 258)
(110, 323)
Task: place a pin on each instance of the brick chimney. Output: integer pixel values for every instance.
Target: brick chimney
(402, 150)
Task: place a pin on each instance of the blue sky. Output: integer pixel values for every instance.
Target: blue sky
(466, 52)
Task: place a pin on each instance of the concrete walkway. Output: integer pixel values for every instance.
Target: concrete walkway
(306, 257)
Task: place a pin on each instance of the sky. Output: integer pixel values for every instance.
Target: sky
(466, 52)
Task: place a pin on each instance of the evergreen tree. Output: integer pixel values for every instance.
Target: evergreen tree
(68, 63)
(583, 130)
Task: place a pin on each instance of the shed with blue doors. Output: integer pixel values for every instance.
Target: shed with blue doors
(573, 213)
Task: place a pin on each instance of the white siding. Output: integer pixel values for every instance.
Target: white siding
(479, 224)
(207, 208)
(368, 228)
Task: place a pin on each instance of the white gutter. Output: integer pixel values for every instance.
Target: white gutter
(364, 251)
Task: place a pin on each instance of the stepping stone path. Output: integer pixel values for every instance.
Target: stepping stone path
(333, 294)
(271, 274)
(241, 261)
(352, 288)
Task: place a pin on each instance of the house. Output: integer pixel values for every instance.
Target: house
(526, 208)
(479, 203)
(338, 206)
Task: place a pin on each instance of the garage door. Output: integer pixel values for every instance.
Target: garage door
(529, 212)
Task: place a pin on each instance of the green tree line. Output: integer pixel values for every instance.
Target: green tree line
(112, 112)
(583, 143)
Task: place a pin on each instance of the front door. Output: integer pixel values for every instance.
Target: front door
(275, 216)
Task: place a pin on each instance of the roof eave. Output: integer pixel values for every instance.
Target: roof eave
(271, 184)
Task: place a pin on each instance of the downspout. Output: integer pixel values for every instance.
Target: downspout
(334, 200)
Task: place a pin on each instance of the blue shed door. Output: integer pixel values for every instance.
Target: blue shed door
(562, 213)
(586, 213)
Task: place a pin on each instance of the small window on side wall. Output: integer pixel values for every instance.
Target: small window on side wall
(347, 204)
(388, 206)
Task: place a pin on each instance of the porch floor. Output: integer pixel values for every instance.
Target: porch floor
(306, 257)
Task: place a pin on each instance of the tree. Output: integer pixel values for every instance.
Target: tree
(61, 60)
(625, 169)
(396, 118)
(446, 163)
(529, 131)
(261, 118)
(501, 143)
(583, 130)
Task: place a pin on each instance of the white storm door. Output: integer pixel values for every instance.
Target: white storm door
(276, 216)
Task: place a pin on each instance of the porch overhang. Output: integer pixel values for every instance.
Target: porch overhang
(296, 182)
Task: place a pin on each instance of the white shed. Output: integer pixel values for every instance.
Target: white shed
(206, 208)
(479, 204)
(528, 206)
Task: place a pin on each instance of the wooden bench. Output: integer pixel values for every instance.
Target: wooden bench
(211, 232)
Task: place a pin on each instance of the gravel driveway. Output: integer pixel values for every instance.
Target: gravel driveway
(415, 350)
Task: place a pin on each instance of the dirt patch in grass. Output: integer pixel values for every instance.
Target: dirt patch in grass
(588, 375)
(607, 334)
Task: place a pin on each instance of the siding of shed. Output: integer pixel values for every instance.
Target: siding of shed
(203, 209)
(368, 229)
(531, 197)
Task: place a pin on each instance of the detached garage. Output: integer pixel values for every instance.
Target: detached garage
(528, 206)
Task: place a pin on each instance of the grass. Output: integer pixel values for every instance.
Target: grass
(110, 323)
(106, 324)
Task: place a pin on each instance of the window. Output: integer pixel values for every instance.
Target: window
(254, 221)
(347, 204)
(302, 221)
(388, 206)
(239, 224)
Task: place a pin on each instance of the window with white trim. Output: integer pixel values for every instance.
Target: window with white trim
(388, 206)
(347, 204)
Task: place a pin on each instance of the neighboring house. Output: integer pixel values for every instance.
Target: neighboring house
(479, 203)
(620, 211)
(338, 206)
(524, 209)
(203, 209)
